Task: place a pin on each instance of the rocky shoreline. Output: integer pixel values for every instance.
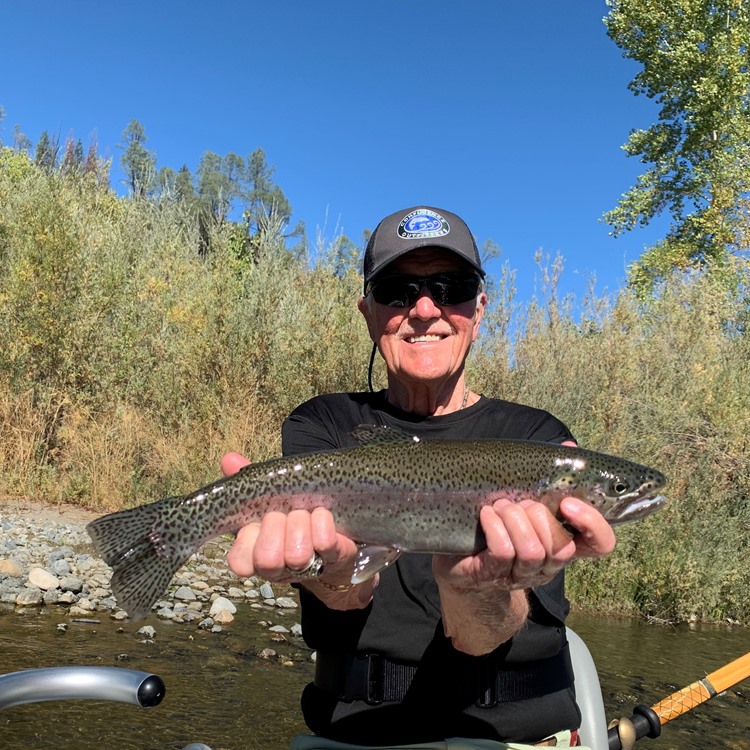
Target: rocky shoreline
(47, 560)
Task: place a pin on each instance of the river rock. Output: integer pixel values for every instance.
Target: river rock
(60, 567)
(286, 602)
(221, 604)
(84, 563)
(76, 610)
(71, 583)
(11, 568)
(44, 563)
(185, 593)
(42, 579)
(29, 598)
(223, 617)
(60, 553)
(266, 591)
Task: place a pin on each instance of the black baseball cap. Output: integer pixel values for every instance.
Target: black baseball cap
(412, 228)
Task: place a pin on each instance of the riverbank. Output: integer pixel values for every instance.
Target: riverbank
(47, 560)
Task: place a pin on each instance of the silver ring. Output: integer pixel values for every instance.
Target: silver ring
(312, 570)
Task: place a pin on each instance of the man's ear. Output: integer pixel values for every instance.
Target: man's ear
(364, 307)
(479, 314)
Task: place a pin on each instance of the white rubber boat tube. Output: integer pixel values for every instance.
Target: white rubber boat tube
(593, 730)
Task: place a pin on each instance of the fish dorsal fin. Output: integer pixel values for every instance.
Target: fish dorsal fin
(375, 434)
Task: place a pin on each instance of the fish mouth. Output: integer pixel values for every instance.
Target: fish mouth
(634, 511)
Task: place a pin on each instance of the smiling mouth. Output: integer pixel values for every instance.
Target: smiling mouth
(423, 338)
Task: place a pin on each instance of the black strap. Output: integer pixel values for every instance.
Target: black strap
(374, 679)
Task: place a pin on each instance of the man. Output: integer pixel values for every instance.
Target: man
(432, 647)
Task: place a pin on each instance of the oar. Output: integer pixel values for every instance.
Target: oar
(647, 722)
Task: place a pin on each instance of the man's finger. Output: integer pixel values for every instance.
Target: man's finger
(231, 463)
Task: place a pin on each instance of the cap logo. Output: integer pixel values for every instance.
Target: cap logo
(421, 224)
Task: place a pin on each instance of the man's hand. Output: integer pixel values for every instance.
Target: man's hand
(282, 542)
(526, 547)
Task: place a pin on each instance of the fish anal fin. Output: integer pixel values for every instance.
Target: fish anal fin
(371, 559)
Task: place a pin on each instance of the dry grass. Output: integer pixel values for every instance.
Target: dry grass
(131, 363)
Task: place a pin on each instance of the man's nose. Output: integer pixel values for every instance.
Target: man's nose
(425, 306)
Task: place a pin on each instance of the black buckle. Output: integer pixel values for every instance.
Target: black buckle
(375, 680)
(364, 680)
(486, 684)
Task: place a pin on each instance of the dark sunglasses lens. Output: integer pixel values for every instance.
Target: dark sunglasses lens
(396, 291)
(445, 288)
(453, 289)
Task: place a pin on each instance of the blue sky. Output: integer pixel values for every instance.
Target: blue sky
(510, 113)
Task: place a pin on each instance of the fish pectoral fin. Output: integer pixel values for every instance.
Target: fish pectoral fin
(371, 559)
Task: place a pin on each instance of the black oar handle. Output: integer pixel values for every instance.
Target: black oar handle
(645, 722)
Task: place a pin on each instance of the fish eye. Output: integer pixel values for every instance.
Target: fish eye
(619, 486)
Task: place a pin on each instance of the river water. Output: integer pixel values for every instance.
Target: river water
(221, 693)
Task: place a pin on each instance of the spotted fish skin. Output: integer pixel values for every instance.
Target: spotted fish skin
(393, 490)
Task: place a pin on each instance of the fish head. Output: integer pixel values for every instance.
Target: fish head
(620, 490)
(628, 492)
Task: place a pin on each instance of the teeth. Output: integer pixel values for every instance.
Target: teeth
(423, 338)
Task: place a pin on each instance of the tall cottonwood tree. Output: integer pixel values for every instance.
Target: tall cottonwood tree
(138, 163)
(695, 58)
(235, 185)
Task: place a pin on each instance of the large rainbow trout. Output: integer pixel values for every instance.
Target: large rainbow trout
(392, 493)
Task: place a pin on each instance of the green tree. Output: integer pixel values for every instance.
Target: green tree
(46, 152)
(226, 186)
(266, 206)
(138, 163)
(20, 141)
(216, 186)
(263, 198)
(72, 160)
(183, 184)
(695, 60)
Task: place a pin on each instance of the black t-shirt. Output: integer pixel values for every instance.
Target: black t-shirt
(403, 622)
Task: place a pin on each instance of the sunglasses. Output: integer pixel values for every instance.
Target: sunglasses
(403, 290)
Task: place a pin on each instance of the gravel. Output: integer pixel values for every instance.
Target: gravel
(47, 560)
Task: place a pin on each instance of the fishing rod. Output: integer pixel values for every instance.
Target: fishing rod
(647, 722)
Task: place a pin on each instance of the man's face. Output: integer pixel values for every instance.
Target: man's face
(427, 342)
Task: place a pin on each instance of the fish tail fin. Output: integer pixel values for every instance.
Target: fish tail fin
(135, 544)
